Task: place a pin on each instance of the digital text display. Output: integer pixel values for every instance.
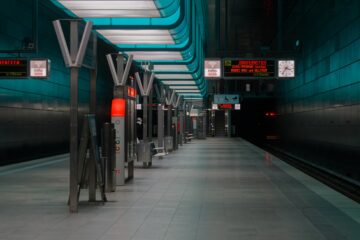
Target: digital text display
(13, 68)
(249, 68)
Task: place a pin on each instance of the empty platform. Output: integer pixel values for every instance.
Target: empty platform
(217, 188)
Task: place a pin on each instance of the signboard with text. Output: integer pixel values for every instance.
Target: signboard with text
(249, 68)
(226, 98)
(39, 68)
(13, 68)
(212, 68)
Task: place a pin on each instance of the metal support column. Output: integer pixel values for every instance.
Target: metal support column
(228, 122)
(160, 115)
(73, 201)
(73, 59)
(92, 164)
(181, 130)
(150, 120)
(160, 125)
(145, 107)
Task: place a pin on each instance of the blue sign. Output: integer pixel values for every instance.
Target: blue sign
(226, 98)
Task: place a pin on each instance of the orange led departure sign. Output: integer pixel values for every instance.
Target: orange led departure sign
(249, 68)
(13, 68)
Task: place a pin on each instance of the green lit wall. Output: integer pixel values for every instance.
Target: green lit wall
(34, 114)
(321, 106)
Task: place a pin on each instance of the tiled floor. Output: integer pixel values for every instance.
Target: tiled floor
(208, 189)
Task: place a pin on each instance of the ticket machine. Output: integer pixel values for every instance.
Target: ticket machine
(123, 115)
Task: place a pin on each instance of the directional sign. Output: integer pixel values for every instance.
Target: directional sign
(226, 98)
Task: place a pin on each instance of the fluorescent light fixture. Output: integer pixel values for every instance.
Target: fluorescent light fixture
(170, 68)
(83, 8)
(179, 82)
(188, 91)
(155, 55)
(192, 98)
(138, 36)
(183, 87)
(174, 76)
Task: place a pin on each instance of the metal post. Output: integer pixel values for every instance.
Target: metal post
(92, 165)
(160, 124)
(150, 134)
(181, 116)
(229, 123)
(169, 113)
(145, 108)
(73, 201)
(175, 137)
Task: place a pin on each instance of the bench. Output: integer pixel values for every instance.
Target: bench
(157, 151)
(188, 137)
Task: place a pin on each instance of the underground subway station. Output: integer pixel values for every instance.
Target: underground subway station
(180, 120)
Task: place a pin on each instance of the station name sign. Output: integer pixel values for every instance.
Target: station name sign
(249, 68)
(11, 68)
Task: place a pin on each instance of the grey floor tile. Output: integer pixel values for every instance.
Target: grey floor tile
(212, 189)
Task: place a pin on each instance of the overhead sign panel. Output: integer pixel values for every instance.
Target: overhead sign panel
(212, 68)
(245, 68)
(226, 98)
(13, 68)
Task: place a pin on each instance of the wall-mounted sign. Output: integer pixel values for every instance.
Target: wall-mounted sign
(215, 107)
(138, 106)
(226, 98)
(212, 68)
(225, 106)
(131, 92)
(244, 68)
(286, 68)
(237, 106)
(13, 68)
(39, 68)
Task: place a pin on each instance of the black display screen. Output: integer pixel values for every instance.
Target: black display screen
(13, 68)
(249, 68)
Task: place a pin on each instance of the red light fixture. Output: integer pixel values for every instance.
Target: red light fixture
(131, 92)
(270, 114)
(118, 107)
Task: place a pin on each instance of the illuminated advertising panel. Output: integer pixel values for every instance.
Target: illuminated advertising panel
(13, 68)
(245, 68)
(212, 68)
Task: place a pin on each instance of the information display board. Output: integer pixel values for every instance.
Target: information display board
(245, 68)
(13, 68)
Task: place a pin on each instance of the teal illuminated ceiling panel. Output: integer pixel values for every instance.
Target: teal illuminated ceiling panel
(166, 33)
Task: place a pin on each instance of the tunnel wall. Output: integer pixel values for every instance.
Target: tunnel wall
(320, 109)
(34, 114)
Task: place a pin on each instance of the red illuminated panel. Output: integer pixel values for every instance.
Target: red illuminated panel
(225, 106)
(270, 114)
(118, 107)
(131, 92)
(249, 68)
